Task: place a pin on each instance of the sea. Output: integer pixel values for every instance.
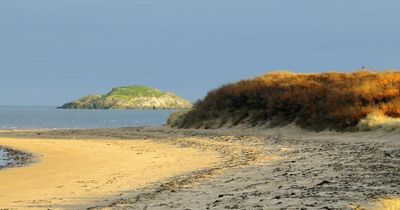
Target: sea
(49, 117)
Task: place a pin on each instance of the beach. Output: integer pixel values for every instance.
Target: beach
(241, 168)
(199, 105)
(75, 174)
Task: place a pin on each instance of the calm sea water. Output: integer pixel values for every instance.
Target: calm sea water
(47, 117)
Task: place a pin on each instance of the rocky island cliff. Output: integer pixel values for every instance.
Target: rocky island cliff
(130, 97)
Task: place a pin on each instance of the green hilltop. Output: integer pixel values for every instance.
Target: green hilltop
(135, 91)
(130, 97)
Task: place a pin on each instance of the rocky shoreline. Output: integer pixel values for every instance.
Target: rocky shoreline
(15, 158)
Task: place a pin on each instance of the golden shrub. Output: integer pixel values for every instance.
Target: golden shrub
(326, 100)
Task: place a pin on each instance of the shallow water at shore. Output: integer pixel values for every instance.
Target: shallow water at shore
(3, 158)
(48, 117)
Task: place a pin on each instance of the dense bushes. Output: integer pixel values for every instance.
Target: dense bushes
(317, 101)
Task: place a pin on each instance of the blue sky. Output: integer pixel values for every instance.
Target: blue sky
(55, 51)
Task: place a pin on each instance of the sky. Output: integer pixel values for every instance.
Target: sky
(52, 52)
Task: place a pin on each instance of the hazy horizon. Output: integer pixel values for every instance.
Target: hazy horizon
(52, 52)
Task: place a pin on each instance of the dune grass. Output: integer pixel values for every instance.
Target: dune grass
(376, 121)
(332, 100)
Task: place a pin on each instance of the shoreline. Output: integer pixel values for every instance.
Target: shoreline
(16, 158)
(77, 174)
(273, 168)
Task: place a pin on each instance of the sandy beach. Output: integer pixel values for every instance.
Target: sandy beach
(72, 174)
(199, 105)
(280, 168)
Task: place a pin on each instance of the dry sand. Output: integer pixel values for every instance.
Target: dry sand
(80, 173)
(281, 168)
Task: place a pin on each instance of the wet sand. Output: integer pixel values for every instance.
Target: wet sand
(74, 174)
(280, 168)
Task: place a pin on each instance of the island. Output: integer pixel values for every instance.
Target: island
(130, 97)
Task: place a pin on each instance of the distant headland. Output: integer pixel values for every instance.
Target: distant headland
(130, 97)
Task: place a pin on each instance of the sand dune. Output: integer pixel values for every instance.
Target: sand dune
(73, 174)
